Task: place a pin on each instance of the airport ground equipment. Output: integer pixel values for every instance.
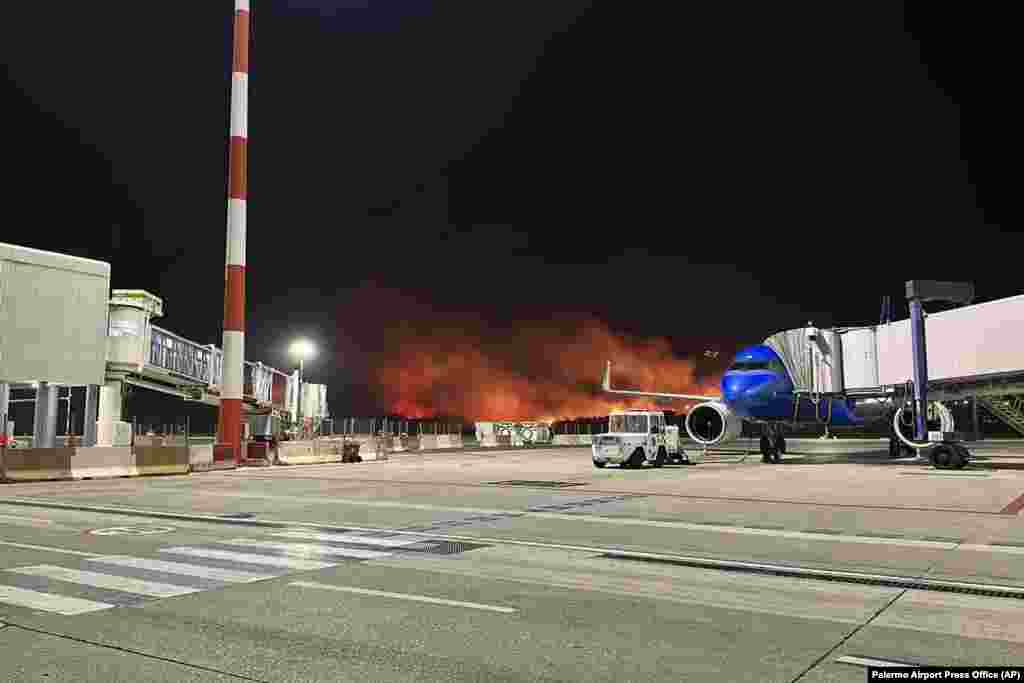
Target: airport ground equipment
(636, 437)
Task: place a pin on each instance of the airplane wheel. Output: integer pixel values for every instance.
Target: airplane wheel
(662, 457)
(599, 465)
(942, 457)
(960, 457)
(780, 444)
(767, 450)
(636, 461)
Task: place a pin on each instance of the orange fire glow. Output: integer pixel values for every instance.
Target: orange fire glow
(541, 371)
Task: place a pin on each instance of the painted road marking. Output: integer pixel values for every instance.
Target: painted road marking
(403, 596)
(350, 538)
(286, 562)
(119, 583)
(49, 549)
(307, 549)
(871, 661)
(48, 602)
(132, 531)
(1010, 549)
(214, 573)
(628, 521)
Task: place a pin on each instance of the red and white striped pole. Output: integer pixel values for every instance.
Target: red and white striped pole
(229, 428)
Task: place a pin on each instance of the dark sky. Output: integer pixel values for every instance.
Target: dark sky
(711, 176)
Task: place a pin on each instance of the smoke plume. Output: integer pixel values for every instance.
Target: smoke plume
(423, 363)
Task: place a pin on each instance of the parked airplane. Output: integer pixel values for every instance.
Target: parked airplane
(849, 377)
(758, 388)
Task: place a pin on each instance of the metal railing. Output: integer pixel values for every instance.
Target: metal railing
(176, 354)
(205, 365)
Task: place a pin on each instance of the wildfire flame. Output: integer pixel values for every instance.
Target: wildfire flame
(526, 371)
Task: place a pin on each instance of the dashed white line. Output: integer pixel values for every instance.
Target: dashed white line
(215, 573)
(48, 602)
(124, 584)
(404, 596)
(307, 549)
(49, 549)
(870, 661)
(287, 562)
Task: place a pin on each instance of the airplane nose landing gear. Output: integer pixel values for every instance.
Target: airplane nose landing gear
(773, 445)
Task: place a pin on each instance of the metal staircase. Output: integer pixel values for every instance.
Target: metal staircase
(1009, 409)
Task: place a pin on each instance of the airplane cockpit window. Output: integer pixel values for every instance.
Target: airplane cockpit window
(750, 365)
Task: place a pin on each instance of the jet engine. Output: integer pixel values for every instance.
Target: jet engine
(712, 423)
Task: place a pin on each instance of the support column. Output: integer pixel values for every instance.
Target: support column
(92, 405)
(44, 429)
(110, 428)
(974, 418)
(5, 398)
(917, 338)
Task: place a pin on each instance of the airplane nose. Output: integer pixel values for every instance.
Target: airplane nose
(759, 392)
(749, 389)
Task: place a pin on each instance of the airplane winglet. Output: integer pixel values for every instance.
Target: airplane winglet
(606, 383)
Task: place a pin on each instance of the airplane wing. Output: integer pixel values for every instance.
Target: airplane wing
(606, 385)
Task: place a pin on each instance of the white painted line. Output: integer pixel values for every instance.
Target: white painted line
(403, 596)
(49, 603)
(350, 538)
(49, 549)
(546, 515)
(215, 573)
(978, 547)
(869, 661)
(308, 549)
(119, 583)
(289, 563)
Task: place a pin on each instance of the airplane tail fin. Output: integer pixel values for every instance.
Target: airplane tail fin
(606, 383)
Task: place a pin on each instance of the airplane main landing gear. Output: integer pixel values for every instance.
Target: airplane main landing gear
(949, 456)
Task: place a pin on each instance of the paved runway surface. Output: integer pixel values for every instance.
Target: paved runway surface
(516, 566)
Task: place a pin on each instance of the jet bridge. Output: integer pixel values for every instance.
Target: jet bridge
(974, 349)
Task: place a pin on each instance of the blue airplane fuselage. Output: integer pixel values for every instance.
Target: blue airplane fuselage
(758, 387)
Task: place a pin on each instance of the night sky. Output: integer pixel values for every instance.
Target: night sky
(458, 177)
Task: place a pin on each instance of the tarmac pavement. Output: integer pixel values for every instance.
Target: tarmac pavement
(476, 567)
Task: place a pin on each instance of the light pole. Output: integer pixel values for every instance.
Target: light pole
(303, 349)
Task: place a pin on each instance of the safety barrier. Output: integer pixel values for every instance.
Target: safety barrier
(150, 460)
(200, 458)
(102, 461)
(35, 464)
(308, 452)
(428, 442)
